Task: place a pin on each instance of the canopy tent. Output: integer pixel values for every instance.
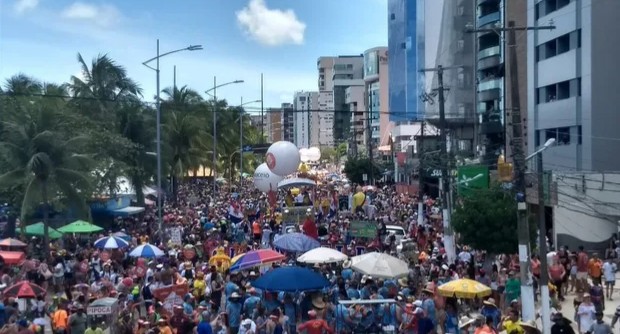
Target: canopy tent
(296, 182)
(128, 211)
(80, 226)
(38, 230)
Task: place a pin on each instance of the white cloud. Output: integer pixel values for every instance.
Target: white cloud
(22, 6)
(271, 27)
(103, 15)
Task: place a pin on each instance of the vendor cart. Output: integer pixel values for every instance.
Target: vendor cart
(104, 312)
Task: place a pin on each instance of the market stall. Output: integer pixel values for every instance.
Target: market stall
(104, 313)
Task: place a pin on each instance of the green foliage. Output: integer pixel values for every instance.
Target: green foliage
(356, 168)
(488, 220)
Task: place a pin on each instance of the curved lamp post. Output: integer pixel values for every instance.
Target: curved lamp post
(158, 121)
(214, 90)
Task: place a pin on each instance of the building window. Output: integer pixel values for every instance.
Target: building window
(392, 16)
(547, 7)
(561, 135)
(579, 134)
(559, 91)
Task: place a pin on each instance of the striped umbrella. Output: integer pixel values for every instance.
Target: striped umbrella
(255, 258)
(111, 242)
(146, 250)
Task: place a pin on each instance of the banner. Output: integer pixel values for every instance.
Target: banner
(363, 229)
(171, 295)
(472, 177)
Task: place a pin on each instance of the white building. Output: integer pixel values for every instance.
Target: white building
(304, 104)
(573, 83)
(587, 209)
(325, 119)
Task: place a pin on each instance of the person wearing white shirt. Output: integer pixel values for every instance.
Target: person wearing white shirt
(247, 327)
(609, 273)
(585, 314)
(465, 256)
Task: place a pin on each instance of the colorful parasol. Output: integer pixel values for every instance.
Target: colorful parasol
(80, 226)
(10, 242)
(464, 288)
(255, 258)
(23, 289)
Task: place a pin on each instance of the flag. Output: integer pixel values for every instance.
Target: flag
(235, 214)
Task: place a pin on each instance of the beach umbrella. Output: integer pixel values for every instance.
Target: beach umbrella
(295, 242)
(80, 226)
(10, 242)
(322, 255)
(291, 279)
(464, 288)
(111, 242)
(255, 258)
(146, 250)
(380, 265)
(38, 230)
(23, 289)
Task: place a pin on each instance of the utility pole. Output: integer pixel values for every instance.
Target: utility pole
(369, 138)
(449, 242)
(527, 289)
(262, 111)
(421, 177)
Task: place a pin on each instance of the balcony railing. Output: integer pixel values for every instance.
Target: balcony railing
(488, 19)
(488, 52)
(490, 84)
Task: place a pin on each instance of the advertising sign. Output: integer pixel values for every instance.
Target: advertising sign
(472, 177)
(363, 229)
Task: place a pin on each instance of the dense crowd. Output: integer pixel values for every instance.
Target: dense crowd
(201, 232)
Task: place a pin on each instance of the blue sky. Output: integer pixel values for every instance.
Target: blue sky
(241, 39)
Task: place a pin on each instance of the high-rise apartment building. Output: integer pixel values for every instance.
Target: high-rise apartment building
(493, 99)
(406, 51)
(573, 83)
(355, 96)
(304, 105)
(455, 51)
(336, 74)
(376, 81)
(325, 119)
(281, 123)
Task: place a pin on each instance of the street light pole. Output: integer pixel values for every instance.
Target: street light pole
(158, 125)
(214, 89)
(241, 113)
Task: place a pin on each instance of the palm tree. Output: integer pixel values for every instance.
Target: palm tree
(184, 140)
(180, 98)
(22, 84)
(43, 162)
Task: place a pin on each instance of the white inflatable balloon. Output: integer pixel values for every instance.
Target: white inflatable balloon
(282, 158)
(314, 153)
(304, 155)
(264, 179)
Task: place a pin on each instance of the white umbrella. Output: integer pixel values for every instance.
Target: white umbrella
(379, 265)
(322, 255)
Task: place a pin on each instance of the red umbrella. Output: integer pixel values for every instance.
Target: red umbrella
(10, 242)
(24, 289)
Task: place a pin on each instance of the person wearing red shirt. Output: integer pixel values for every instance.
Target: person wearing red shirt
(310, 228)
(314, 325)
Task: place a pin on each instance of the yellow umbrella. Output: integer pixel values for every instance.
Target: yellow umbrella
(220, 260)
(464, 288)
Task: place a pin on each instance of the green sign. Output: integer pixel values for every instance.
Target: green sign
(363, 229)
(472, 177)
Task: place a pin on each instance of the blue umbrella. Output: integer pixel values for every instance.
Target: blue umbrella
(296, 242)
(111, 242)
(146, 250)
(291, 279)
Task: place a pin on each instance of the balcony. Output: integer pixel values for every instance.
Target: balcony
(486, 2)
(490, 90)
(488, 19)
(492, 127)
(490, 84)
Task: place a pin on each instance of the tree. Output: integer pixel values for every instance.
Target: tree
(44, 163)
(487, 220)
(356, 168)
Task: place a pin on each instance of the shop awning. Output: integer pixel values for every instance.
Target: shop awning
(128, 211)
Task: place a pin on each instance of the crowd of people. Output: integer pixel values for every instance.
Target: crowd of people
(236, 220)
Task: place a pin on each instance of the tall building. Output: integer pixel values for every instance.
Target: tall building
(304, 104)
(406, 51)
(355, 96)
(455, 51)
(572, 81)
(281, 123)
(336, 74)
(376, 80)
(493, 99)
(325, 113)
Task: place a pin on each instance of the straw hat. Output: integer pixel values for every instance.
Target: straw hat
(346, 264)
(465, 321)
(404, 282)
(428, 291)
(317, 302)
(490, 302)
(529, 324)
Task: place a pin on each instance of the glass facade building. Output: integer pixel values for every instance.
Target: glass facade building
(406, 56)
